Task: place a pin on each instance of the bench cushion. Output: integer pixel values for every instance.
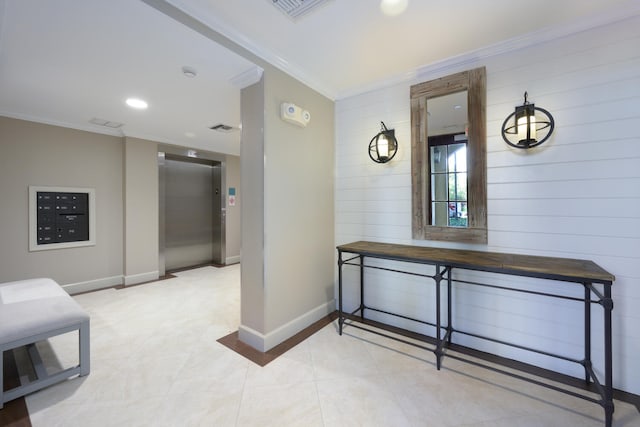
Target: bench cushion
(35, 306)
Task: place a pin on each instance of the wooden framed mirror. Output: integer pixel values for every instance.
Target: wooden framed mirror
(449, 158)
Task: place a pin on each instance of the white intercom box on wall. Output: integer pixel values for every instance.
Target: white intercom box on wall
(292, 113)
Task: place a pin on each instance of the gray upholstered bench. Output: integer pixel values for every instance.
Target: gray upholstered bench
(32, 311)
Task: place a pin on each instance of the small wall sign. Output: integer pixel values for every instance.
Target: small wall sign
(232, 196)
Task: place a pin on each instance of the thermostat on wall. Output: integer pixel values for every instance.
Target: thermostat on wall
(292, 113)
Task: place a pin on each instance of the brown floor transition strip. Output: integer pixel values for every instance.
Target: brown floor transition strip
(14, 413)
(259, 358)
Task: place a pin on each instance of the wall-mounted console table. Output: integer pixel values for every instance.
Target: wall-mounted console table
(595, 281)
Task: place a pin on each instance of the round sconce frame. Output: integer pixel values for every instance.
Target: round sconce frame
(528, 126)
(384, 146)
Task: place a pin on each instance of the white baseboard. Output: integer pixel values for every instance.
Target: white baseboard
(134, 279)
(251, 337)
(92, 285)
(265, 342)
(232, 260)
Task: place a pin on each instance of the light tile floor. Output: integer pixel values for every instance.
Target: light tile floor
(156, 362)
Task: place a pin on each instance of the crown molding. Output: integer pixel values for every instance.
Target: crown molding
(270, 57)
(59, 123)
(247, 78)
(628, 10)
(456, 63)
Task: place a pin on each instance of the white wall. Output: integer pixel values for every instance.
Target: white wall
(576, 196)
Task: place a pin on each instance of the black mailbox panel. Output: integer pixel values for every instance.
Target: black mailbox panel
(62, 217)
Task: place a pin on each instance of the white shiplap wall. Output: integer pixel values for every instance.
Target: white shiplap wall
(576, 196)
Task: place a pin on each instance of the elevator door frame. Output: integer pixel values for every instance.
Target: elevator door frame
(183, 154)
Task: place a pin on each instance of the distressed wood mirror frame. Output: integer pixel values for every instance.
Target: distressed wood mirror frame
(474, 82)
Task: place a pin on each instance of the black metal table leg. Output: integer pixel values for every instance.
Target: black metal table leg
(438, 351)
(587, 331)
(607, 303)
(362, 287)
(449, 315)
(340, 315)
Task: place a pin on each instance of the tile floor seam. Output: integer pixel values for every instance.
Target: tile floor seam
(213, 387)
(242, 395)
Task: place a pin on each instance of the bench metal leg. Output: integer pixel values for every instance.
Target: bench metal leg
(1, 379)
(84, 348)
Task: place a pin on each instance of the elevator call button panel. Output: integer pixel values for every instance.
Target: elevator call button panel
(62, 217)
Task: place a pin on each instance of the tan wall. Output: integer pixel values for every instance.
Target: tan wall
(299, 214)
(287, 219)
(141, 211)
(252, 155)
(124, 174)
(233, 219)
(44, 155)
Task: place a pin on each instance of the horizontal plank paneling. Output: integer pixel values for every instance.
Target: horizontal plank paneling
(576, 196)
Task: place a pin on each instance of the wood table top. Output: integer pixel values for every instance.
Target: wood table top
(567, 269)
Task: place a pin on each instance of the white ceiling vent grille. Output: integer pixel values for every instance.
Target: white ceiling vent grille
(223, 128)
(296, 8)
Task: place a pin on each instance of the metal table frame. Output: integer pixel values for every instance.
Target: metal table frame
(585, 273)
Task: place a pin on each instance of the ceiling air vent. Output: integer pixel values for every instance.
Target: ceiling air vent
(106, 123)
(296, 8)
(223, 128)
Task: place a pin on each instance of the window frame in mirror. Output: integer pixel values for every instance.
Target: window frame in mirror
(474, 82)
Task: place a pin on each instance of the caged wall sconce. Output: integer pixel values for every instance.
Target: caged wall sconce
(384, 145)
(528, 126)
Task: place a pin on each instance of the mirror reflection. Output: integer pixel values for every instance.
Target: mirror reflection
(447, 138)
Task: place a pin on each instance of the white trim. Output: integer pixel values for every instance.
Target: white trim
(624, 11)
(225, 30)
(232, 260)
(476, 57)
(251, 337)
(92, 285)
(33, 218)
(134, 279)
(247, 78)
(120, 133)
(543, 35)
(265, 342)
(88, 128)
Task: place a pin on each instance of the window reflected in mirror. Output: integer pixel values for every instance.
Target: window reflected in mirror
(447, 139)
(449, 184)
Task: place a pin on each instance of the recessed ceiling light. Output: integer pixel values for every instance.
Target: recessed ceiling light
(393, 7)
(190, 134)
(137, 103)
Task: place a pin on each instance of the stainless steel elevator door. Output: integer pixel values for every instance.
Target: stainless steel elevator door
(190, 234)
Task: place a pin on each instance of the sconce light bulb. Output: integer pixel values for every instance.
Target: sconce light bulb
(522, 128)
(383, 147)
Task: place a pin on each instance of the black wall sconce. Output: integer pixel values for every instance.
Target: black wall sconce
(384, 145)
(528, 126)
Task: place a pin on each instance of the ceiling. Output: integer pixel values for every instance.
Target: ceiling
(66, 62)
